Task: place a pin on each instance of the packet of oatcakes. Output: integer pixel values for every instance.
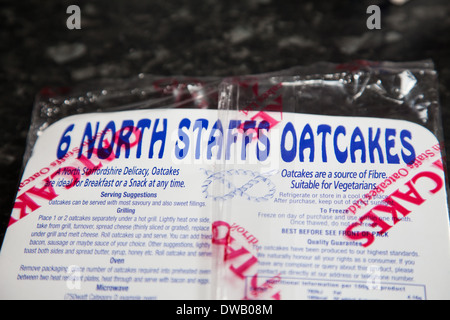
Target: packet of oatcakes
(317, 182)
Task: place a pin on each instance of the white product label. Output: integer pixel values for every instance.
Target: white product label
(201, 204)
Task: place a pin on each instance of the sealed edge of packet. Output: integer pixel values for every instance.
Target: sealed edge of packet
(396, 90)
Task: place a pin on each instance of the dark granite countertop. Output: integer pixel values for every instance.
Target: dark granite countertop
(195, 38)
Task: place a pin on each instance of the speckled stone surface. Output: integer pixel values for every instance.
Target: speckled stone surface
(121, 39)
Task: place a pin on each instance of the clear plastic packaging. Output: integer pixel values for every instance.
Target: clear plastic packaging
(110, 95)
